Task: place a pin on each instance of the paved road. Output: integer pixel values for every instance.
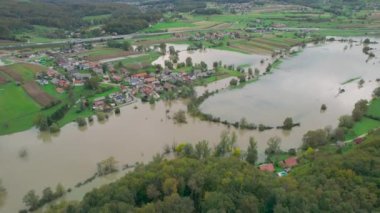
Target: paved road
(96, 39)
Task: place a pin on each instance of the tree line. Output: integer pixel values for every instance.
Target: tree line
(18, 16)
(205, 179)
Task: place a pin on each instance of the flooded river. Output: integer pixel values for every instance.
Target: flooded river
(300, 86)
(296, 89)
(209, 56)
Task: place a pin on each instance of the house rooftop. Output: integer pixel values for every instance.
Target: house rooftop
(290, 162)
(267, 167)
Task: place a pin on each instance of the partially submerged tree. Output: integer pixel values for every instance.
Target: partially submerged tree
(180, 117)
(252, 153)
(288, 123)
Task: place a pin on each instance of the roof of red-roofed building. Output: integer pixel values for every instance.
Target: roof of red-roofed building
(267, 167)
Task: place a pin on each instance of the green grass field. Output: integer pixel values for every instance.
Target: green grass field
(101, 51)
(38, 34)
(374, 108)
(146, 58)
(17, 109)
(366, 124)
(167, 25)
(27, 71)
(362, 127)
(96, 18)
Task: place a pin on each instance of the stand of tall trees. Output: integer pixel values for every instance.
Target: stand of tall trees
(199, 181)
(16, 16)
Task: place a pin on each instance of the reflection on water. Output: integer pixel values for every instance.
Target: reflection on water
(298, 89)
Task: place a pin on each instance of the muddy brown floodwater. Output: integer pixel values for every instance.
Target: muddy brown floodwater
(298, 88)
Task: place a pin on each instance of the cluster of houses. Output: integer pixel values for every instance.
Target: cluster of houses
(76, 71)
(113, 100)
(287, 165)
(55, 78)
(210, 36)
(239, 7)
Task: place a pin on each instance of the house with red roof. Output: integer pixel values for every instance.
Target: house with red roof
(147, 90)
(150, 80)
(63, 83)
(268, 167)
(140, 75)
(117, 78)
(290, 162)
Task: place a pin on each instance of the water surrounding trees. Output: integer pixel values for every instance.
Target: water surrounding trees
(228, 184)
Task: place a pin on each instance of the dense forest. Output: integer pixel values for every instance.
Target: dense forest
(201, 180)
(68, 15)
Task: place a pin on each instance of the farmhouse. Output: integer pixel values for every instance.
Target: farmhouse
(290, 162)
(267, 167)
(99, 103)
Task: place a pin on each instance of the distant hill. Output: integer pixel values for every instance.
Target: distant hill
(16, 15)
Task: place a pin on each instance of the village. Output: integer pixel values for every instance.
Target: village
(68, 68)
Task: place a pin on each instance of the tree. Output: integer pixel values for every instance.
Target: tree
(252, 151)
(140, 48)
(361, 82)
(168, 64)
(180, 117)
(172, 50)
(273, 146)
(59, 190)
(105, 68)
(257, 72)
(41, 122)
(92, 83)
(269, 67)
(31, 200)
(47, 195)
(203, 66)
(217, 202)
(288, 123)
(188, 150)
(346, 121)
(314, 139)
(54, 128)
(360, 109)
(226, 144)
(127, 46)
(81, 121)
(323, 107)
(376, 92)
(101, 116)
(233, 82)
(152, 192)
(339, 134)
(242, 79)
(175, 203)
(170, 186)
(366, 41)
(163, 48)
(248, 203)
(107, 166)
(202, 150)
(189, 62)
(215, 65)
(250, 72)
